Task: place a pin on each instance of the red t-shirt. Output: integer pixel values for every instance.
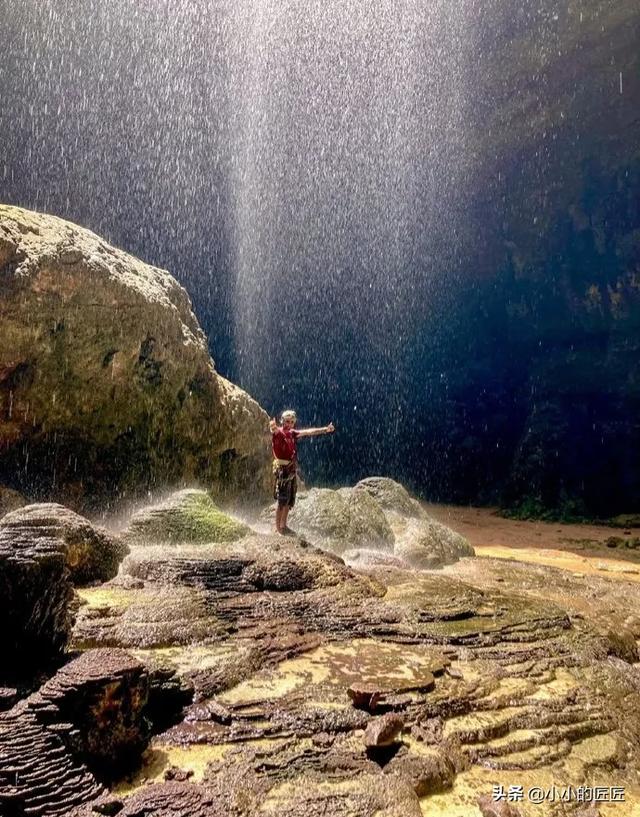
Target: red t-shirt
(284, 443)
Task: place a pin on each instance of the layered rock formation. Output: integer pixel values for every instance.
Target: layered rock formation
(106, 384)
(89, 718)
(44, 550)
(278, 679)
(90, 553)
(370, 695)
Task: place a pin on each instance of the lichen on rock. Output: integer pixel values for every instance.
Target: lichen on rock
(185, 517)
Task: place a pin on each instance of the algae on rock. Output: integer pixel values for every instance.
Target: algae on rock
(186, 517)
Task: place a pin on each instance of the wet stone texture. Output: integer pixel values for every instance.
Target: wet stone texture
(281, 681)
(85, 721)
(91, 553)
(35, 597)
(376, 522)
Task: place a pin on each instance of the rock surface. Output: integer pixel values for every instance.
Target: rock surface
(35, 597)
(106, 383)
(91, 553)
(383, 731)
(376, 522)
(86, 720)
(186, 517)
(303, 669)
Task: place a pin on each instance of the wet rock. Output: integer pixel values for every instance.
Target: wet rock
(88, 719)
(622, 643)
(170, 799)
(363, 558)
(174, 773)
(499, 808)
(429, 773)
(109, 377)
(428, 731)
(383, 731)
(342, 520)
(149, 617)
(90, 553)
(255, 563)
(35, 597)
(364, 696)
(390, 495)
(375, 523)
(39, 774)
(102, 696)
(186, 517)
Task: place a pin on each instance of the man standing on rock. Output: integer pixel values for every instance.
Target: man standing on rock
(285, 463)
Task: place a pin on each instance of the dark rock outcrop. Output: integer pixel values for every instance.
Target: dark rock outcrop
(106, 383)
(91, 553)
(85, 723)
(102, 695)
(35, 597)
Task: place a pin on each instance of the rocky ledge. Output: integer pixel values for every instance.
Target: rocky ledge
(265, 675)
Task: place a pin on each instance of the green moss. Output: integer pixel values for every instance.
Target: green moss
(187, 517)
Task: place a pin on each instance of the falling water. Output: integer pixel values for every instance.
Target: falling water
(348, 141)
(360, 197)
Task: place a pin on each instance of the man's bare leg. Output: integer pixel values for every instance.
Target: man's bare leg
(280, 509)
(283, 518)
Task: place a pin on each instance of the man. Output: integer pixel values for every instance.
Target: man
(285, 464)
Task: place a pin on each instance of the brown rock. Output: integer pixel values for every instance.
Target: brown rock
(383, 731)
(364, 696)
(108, 374)
(496, 808)
(90, 553)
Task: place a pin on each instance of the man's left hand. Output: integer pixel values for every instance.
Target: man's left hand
(330, 428)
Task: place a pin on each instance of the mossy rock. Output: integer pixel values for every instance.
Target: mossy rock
(186, 517)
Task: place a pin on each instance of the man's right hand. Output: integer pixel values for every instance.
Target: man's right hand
(273, 425)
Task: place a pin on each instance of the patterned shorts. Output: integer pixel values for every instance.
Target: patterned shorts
(285, 487)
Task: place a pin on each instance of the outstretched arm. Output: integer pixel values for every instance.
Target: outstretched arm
(314, 432)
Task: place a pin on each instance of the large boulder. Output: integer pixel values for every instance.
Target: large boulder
(106, 383)
(90, 553)
(342, 519)
(185, 517)
(377, 522)
(87, 723)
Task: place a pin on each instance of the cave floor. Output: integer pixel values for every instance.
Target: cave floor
(518, 669)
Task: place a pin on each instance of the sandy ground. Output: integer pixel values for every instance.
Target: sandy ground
(579, 548)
